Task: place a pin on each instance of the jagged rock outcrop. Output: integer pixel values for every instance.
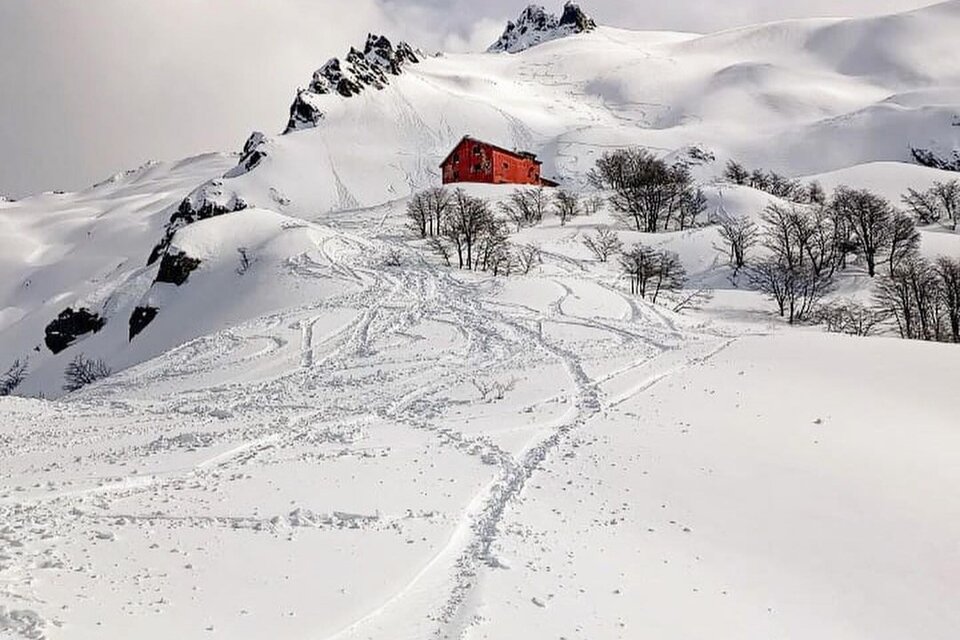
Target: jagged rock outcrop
(140, 319)
(207, 201)
(536, 26)
(359, 71)
(253, 153)
(70, 325)
(176, 267)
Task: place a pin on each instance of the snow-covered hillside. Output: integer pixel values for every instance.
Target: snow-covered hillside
(316, 430)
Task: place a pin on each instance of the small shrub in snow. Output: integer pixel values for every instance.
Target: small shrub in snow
(850, 318)
(393, 258)
(82, 371)
(493, 390)
(605, 244)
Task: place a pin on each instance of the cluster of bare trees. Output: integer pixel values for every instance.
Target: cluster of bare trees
(464, 231)
(806, 245)
(13, 377)
(923, 298)
(775, 184)
(650, 194)
(938, 204)
(83, 371)
(929, 158)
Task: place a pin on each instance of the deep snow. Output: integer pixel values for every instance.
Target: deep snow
(298, 447)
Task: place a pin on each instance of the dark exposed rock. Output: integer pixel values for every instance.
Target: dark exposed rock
(140, 319)
(254, 151)
(70, 325)
(536, 26)
(574, 17)
(303, 114)
(175, 268)
(208, 201)
(358, 71)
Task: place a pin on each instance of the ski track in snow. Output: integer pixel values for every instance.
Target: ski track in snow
(341, 364)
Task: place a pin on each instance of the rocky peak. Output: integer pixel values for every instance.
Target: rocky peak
(357, 72)
(536, 26)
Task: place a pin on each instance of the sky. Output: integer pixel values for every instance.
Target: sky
(92, 87)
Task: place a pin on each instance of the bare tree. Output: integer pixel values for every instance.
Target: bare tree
(912, 296)
(652, 272)
(639, 264)
(474, 235)
(904, 239)
(567, 205)
(815, 194)
(736, 173)
(948, 272)
(796, 290)
(592, 205)
(419, 214)
(739, 235)
(13, 377)
(527, 257)
(526, 207)
(786, 234)
(427, 210)
(603, 245)
(467, 219)
(670, 275)
(692, 204)
(870, 217)
(82, 371)
(647, 191)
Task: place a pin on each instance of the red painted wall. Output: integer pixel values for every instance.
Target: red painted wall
(474, 161)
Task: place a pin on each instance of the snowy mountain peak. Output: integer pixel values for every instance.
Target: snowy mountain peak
(536, 26)
(358, 71)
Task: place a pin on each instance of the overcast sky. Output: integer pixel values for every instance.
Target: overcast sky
(91, 87)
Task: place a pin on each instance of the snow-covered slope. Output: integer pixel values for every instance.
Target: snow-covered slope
(305, 435)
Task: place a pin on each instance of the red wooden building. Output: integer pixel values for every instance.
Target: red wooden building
(473, 160)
